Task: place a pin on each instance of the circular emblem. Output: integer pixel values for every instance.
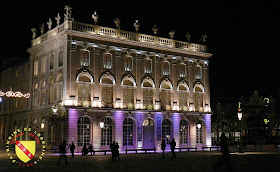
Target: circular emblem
(25, 147)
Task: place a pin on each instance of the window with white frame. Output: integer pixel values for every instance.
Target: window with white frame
(51, 90)
(166, 130)
(84, 90)
(148, 91)
(128, 94)
(83, 131)
(199, 134)
(107, 91)
(107, 131)
(183, 131)
(85, 57)
(128, 131)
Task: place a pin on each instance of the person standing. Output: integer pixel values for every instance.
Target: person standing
(224, 149)
(85, 150)
(112, 147)
(72, 149)
(117, 154)
(173, 145)
(163, 145)
(62, 150)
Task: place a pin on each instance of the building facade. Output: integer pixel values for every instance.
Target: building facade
(94, 85)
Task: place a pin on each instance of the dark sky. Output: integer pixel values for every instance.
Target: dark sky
(243, 38)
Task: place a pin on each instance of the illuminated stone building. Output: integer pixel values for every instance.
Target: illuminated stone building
(113, 85)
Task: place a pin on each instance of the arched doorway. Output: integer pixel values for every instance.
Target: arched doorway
(148, 133)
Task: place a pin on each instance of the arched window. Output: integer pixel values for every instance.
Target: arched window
(128, 84)
(107, 81)
(198, 97)
(36, 65)
(60, 58)
(85, 57)
(199, 134)
(148, 122)
(182, 70)
(83, 131)
(128, 131)
(165, 94)
(84, 80)
(35, 94)
(107, 60)
(148, 85)
(51, 90)
(166, 130)
(128, 65)
(107, 131)
(165, 68)
(184, 131)
(198, 71)
(147, 65)
(183, 95)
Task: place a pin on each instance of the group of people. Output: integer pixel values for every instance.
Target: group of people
(86, 150)
(172, 146)
(115, 150)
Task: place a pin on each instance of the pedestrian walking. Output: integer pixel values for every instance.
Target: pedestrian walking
(163, 145)
(72, 149)
(112, 147)
(173, 145)
(84, 150)
(62, 151)
(90, 149)
(224, 149)
(117, 154)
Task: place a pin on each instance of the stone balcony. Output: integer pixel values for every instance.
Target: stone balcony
(120, 34)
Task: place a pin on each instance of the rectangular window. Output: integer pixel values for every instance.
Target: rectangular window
(60, 59)
(51, 61)
(85, 57)
(43, 65)
(107, 60)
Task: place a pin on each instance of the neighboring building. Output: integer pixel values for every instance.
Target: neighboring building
(139, 88)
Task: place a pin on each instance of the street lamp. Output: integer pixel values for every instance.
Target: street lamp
(54, 109)
(101, 124)
(239, 115)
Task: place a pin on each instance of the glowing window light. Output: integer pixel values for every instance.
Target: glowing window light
(14, 94)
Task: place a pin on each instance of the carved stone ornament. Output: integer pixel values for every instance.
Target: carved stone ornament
(42, 27)
(171, 34)
(57, 18)
(137, 25)
(204, 38)
(67, 15)
(33, 30)
(188, 36)
(49, 23)
(155, 29)
(95, 17)
(117, 23)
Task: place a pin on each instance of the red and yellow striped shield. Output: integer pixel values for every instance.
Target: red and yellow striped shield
(25, 150)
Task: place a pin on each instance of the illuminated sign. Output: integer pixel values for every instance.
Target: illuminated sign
(266, 121)
(14, 94)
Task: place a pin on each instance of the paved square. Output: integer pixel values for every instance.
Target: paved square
(185, 161)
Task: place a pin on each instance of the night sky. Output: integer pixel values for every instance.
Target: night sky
(243, 38)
